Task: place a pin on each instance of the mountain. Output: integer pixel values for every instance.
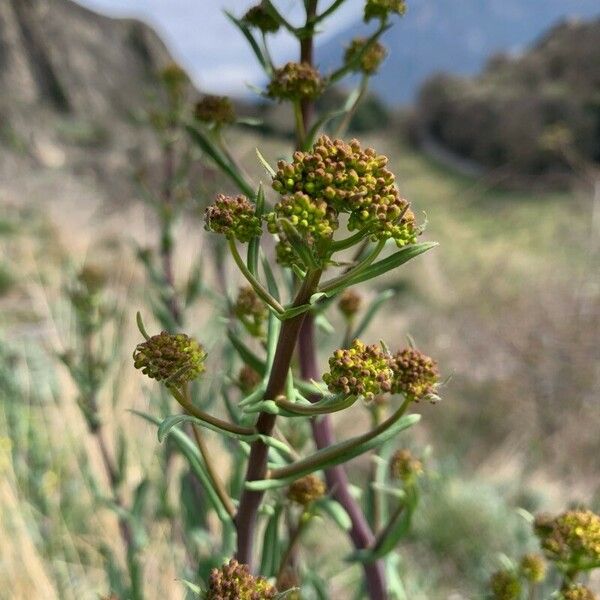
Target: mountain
(72, 84)
(455, 36)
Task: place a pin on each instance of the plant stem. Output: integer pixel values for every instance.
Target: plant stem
(336, 477)
(257, 463)
(292, 545)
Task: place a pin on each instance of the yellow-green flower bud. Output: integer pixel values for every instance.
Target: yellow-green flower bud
(371, 58)
(306, 490)
(415, 375)
(404, 466)
(505, 585)
(350, 303)
(215, 109)
(175, 357)
(572, 537)
(578, 592)
(174, 78)
(251, 310)
(234, 581)
(234, 217)
(381, 9)
(295, 81)
(360, 370)
(533, 568)
(258, 16)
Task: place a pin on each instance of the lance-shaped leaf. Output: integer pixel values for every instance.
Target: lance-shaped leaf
(271, 281)
(335, 511)
(192, 455)
(377, 269)
(262, 58)
(254, 243)
(210, 148)
(271, 550)
(265, 163)
(168, 426)
(246, 354)
(334, 455)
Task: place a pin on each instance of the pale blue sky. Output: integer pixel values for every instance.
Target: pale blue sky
(206, 43)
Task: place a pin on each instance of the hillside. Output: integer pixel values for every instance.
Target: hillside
(522, 104)
(72, 85)
(455, 37)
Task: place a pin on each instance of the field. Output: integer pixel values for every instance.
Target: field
(508, 303)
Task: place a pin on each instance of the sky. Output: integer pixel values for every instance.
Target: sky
(194, 28)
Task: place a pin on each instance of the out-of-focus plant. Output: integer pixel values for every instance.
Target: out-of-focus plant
(91, 354)
(337, 220)
(570, 545)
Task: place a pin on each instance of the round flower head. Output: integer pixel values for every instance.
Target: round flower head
(350, 303)
(215, 109)
(234, 217)
(371, 57)
(381, 9)
(505, 585)
(360, 370)
(295, 81)
(578, 592)
(572, 537)
(175, 358)
(404, 466)
(533, 568)
(306, 490)
(415, 375)
(174, 78)
(353, 181)
(251, 310)
(248, 379)
(258, 16)
(234, 581)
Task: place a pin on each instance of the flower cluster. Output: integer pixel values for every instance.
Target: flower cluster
(405, 466)
(416, 375)
(350, 303)
(381, 9)
(295, 81)
(578, 592)
(533, 568)
(360, 370)
(306, 490)
(215, 109)
(173, 357)
(234, 217)
(365, 59)
(505, 585)
(258, 16)
(573, 536)
(248, 379)
(251, 310)
(174, 77)
(234, 581)
(348, 180)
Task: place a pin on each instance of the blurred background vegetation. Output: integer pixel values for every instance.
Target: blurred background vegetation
(505, 163)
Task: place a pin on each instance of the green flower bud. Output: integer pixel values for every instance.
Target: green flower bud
(371, 58)
(504, 585)
(215, 109)
(572, 537)
(251, 310)
(578, 592)
(415, 375)
(175, 357)
(533, 568)
(234, 581)
(360, 370)
(306, 490)
(258, 16)
(381, 9)
(350, 303)
(404, 466)
(234, 217)
(295, 81)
